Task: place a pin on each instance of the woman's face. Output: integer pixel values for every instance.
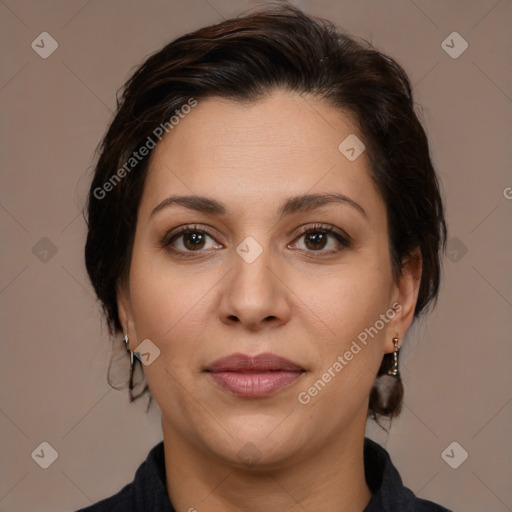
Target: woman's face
(256, 272)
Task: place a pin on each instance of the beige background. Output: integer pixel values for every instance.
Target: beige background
(54, 357)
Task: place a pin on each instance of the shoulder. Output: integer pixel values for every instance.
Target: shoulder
(146, 492)
(120, 502)
(389, 493)
(414, 504)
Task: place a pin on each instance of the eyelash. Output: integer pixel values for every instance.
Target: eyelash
(343, 239)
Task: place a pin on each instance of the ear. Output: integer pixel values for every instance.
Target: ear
(124, 309)
(405, 294)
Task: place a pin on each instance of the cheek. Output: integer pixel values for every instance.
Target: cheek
(169, 304)
(349, 346)
(167, 310)
(349, 300)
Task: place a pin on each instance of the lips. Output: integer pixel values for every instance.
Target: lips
(253, 376)
(260, 363)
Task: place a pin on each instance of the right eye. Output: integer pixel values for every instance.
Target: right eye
(190, 239)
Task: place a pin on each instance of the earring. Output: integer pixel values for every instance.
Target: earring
(387, 391)
(394, 372)
(132, 354)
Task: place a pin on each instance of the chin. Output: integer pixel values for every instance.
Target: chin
(256, 442)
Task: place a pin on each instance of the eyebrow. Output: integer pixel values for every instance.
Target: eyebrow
(306, 202)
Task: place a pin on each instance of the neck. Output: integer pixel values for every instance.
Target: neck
(332, 478)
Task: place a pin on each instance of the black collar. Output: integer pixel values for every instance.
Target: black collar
(148, 490)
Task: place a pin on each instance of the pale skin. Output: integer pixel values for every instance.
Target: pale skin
(301, 301)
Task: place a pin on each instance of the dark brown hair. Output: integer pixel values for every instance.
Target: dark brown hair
(244, 59)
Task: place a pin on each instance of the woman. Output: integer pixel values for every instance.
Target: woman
(265, 224)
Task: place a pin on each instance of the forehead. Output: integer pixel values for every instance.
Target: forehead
(283, 145)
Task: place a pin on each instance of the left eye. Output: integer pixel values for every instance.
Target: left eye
(321, 240)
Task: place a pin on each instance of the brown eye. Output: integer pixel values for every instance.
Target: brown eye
(193, 241)
(324, 240)
(316, 240)
(189, 240)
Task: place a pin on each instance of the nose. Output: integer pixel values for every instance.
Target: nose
(254, 295)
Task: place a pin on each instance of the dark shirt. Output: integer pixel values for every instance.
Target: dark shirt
(148, 493)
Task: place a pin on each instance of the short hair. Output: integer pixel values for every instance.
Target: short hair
(244, 59)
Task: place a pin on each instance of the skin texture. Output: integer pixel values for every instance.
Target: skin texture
(303, 304)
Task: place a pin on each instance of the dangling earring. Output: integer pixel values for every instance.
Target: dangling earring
(127, 343)
(394, 372)
(132, 354)
(387, 392)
